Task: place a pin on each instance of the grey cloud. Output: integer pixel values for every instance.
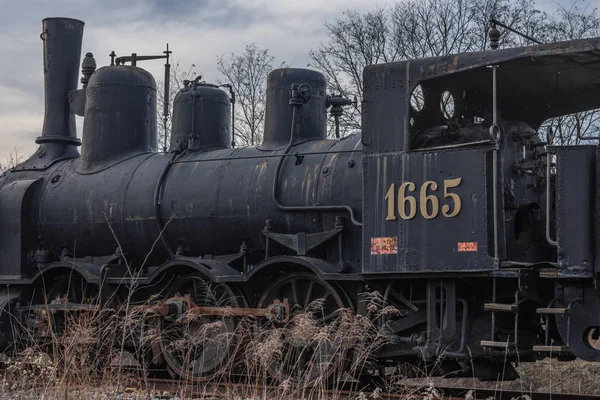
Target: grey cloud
(197, 30)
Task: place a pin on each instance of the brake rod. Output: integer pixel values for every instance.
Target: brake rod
(177, 306)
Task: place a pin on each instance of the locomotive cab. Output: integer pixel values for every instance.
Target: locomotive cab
(461, 184)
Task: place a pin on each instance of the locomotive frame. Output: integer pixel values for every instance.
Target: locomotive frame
(450, 217)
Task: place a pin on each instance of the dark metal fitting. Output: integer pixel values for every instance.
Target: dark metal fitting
(42, 256)
(341, 267)
(274, 312)
(66, 253)
(300, 94)
(172, 309)
(494, 35)
(268, 225)
(337, 102)
(299, 158)
(495, 132)
(88, 66)
(278, 311)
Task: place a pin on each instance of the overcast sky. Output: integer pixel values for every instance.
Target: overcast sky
(196, 30)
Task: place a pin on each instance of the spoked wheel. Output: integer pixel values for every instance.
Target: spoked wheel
(310, 350)
(195, 346)
(73, 289)
(78, 322)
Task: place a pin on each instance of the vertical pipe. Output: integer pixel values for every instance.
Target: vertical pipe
(493, 334)
(549, 239)
(166, 97)
(232, 116)
(494, 100)
(62, 51)
(495, 164)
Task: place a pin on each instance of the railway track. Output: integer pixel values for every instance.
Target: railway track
(160, 388)
(172, 389)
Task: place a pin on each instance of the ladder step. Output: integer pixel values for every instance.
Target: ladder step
(500, 307)
(497, 345)
(553, 311)
(551, 349)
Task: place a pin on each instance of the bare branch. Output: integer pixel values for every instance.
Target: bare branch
(247, 73)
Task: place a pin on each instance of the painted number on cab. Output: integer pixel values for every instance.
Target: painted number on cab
(406, 204)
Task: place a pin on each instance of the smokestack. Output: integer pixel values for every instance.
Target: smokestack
(62, 51)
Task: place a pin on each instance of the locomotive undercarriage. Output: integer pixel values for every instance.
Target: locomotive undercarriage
(450, 326)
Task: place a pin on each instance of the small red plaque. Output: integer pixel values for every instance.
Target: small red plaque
(384, 245)
(467, 246)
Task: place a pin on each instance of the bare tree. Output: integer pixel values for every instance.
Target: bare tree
(355, 41)
(11, 160)
(178, 76)
(413, 29)
(573, 23)
(247, 74)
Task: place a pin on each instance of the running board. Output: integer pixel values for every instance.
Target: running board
(551, 349)
(500, 307)
(497, 345)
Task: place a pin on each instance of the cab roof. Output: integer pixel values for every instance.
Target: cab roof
(534, 83)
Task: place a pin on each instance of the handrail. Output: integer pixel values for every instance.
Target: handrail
(550, 241)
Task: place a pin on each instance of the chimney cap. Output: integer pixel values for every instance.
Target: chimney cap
(64, 19)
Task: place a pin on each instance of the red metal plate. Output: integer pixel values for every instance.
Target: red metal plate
(384, 245)
(467, 246)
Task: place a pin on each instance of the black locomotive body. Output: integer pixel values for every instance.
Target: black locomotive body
(448, 202)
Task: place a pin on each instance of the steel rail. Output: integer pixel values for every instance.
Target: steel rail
(177, 387)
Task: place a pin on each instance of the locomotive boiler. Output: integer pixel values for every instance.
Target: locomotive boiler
(448, 202)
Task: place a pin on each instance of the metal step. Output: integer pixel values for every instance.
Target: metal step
(551, 349)
(500, 307)
(553, 311)
(497, 345)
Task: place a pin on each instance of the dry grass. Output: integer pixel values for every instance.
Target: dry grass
(554, 376)
(75, 365)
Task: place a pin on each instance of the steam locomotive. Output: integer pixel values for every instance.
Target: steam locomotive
(448, 203)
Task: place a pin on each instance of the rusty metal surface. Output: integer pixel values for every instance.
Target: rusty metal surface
(278, 310)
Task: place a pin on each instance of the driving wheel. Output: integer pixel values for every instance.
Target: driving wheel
(308, 354)
(196, 347)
